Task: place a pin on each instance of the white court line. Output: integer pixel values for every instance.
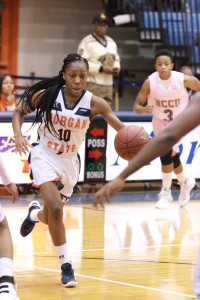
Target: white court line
(141, 247)
(122, 283)
(121, 248)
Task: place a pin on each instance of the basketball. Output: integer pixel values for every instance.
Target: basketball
(130, 140)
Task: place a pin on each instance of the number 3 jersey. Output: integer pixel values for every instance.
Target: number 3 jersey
(70, 123)
(168, 100)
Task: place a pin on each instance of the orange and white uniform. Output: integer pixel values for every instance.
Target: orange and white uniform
(55, 157)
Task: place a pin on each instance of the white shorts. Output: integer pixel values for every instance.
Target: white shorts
(46, 166)
(2, 214)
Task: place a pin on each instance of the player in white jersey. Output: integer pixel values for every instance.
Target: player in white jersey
(164, 95)
(7, 283)
(64, 110)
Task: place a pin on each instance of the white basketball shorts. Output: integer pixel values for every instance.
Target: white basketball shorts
(46, 166)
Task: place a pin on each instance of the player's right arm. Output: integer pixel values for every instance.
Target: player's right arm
(21, 143)
(139, 104)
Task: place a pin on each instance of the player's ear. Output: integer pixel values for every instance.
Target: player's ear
(172, 65)
(63, 75)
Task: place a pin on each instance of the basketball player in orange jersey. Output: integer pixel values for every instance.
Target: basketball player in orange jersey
(64, 110)
(164, 95)
(158, 146)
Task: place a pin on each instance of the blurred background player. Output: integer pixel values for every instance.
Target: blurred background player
(7, 283)
(102, 54)
(7, 94)
(164, 95)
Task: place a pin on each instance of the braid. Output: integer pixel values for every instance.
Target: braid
(72, 58)
(49, 91)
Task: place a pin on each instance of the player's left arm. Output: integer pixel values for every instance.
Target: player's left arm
(100, 106)
(191, 82)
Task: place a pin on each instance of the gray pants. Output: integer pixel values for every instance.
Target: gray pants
(103, 91)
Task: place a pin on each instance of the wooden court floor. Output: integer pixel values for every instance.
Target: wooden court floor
(128, 251)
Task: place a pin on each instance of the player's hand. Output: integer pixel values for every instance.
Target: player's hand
(107, 191)
(12, 189)
(148, 109)
(22, 145)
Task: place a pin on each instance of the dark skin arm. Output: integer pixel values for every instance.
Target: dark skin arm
(191, 83)
(12, 189)
(158, 146)
(100, 106)
(141, 98)
(22, 144)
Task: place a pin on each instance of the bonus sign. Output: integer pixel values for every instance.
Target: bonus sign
(95, 152)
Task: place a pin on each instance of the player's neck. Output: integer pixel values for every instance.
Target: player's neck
(165, 83)
(69, 99)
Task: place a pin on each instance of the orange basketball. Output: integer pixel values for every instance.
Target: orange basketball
(130, 140)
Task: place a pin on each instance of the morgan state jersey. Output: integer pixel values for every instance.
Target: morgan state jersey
(167, 103)
(70, 124)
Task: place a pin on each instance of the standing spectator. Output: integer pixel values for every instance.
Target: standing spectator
(7, 283)
(166, 96)
(7, 95)
(101, 52)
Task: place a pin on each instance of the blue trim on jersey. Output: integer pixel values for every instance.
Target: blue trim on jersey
(77, 101)
(82, 111)
(57, 106)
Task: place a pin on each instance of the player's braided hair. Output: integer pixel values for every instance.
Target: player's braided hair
(49, 91)
(71, 58)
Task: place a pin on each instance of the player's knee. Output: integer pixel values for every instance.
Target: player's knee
(176, 160)
(56, 211)
(167, 159)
